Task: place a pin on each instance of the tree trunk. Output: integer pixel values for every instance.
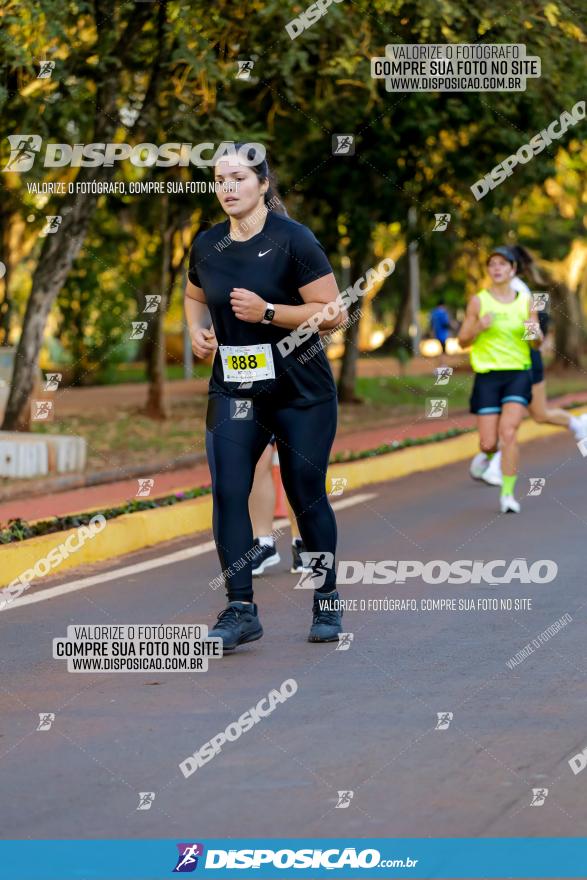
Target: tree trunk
(400, 338)
(566, 279)
(155, 408)
(61, 248)
(348, 369)
(365, 325)
(57, 256)
(569, 339)
(6, 304)
(5, 310)
(59, 251)
(78, 349)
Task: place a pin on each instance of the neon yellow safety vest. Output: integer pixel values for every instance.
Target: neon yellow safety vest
(502, 345)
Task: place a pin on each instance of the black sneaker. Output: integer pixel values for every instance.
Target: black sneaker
(236, 624)
(297, 548)
(326, 619)
(265, 556)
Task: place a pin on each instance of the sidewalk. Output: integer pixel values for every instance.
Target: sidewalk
(169, 481)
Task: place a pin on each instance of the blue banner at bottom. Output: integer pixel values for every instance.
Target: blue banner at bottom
(302, 858)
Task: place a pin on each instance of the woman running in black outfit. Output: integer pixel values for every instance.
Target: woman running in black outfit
(257, 289)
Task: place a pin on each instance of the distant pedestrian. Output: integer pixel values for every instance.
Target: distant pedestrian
(440, 323)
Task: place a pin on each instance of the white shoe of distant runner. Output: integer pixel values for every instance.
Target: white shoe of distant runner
(580, 431)
(479, 466)
(508, 504)
(492, 473)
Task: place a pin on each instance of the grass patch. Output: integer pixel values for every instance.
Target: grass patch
(408, 394)
(129, 437)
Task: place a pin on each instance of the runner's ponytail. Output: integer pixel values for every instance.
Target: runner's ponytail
(523, 259)
(272, 197)
(527, 265)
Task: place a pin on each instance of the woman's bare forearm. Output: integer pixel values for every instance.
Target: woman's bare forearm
(290, 317)
(471, 333)
(196, 313)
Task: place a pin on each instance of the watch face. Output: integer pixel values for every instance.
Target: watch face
(269, 314)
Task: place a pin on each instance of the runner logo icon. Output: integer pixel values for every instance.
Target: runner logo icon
(539, 301)
(531, 330)
(443, 375)
(52, 224)
(46, 719)
(316, 565)
(539, 795)
(537, 484)
(444, 719)
(152, 302)
(42, 410)
(52, 381)
(146, 799)
(241, 409)
(23, 150)
(145, 486)
(343, 145)
(338, 485)
(138, 329)
(436, 408)
(46, 68)
(441, 222)
(245, 69)
(188, 857)
(344, 799)
(344, 641)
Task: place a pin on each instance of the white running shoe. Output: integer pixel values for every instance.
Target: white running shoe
(265, 556)
(478, 466)
(508, 504)
(492, 473)
(581, 432)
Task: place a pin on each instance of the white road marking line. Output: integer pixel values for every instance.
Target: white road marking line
(156, 562)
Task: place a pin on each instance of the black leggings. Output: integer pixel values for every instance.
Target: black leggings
(304, 439)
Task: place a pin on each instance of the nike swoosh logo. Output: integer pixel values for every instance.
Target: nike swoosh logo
(262, 253)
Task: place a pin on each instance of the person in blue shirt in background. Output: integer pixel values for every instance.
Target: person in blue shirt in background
(440, 323)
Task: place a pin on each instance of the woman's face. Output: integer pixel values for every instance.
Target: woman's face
(239, 190)
(500, 269)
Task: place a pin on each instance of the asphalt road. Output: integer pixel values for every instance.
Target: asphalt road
(362, 720)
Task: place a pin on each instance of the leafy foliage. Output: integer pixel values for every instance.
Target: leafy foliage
(173, 68)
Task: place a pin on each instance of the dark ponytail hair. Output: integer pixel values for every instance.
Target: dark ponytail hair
(264, 172)
(524, 261)
(527, 266)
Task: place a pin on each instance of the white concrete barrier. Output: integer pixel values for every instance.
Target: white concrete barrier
(18, 459)
(27, 455)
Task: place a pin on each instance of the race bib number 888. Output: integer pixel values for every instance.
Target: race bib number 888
(247, 363)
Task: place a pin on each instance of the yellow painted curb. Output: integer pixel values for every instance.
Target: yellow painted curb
(135, 531)
(122, 535)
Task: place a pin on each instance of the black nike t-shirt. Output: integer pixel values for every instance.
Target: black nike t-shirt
(274, 263)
